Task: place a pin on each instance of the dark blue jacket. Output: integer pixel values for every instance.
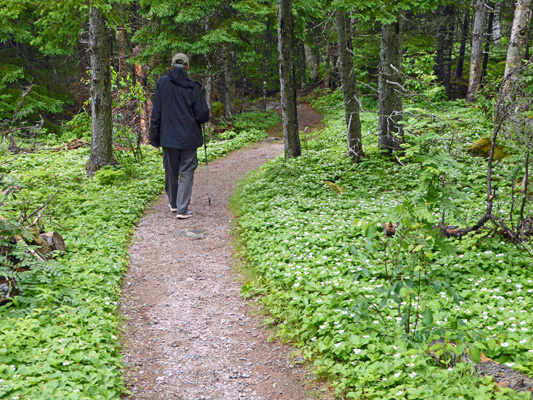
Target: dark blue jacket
(178, 112)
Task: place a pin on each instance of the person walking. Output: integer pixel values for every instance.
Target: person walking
(176, 125)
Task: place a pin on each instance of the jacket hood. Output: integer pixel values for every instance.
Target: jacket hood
(180, 77)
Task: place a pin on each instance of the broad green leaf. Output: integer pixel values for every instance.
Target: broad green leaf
(475, 354)
(427, 317)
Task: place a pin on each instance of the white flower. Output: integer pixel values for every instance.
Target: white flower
(413, 374)
(505, 344)
(356, 351)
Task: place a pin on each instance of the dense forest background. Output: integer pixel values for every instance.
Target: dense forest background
(435, 49)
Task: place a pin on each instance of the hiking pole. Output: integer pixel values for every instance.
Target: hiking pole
(206, 165)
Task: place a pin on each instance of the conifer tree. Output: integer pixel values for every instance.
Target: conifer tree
(477, 50)
(287, 79)
(351, 102)
(102, 136)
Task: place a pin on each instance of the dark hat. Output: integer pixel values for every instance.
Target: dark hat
(180, 58)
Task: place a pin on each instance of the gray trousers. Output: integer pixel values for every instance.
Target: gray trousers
(179, 175)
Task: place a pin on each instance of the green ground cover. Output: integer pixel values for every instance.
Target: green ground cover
(60, 338)
(363, 307)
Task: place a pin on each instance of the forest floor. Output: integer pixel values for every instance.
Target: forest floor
(187, 333)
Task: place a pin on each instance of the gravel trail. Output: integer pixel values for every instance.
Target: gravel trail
(187, 333)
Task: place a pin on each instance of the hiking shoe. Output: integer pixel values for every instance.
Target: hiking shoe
(173, 209)
(186, 215)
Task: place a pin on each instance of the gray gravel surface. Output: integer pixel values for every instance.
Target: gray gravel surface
(187, 333)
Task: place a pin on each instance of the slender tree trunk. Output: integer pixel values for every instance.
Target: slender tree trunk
(519, 34)
(146, 108)
(121, 41)
(462, 47)
(528, 41)
(497, 25)
(445, 46)
(334, 80)
(289, 114)
(486, 52)
(351, 103)
(265, 64)
(208, 92)
(477, 51)
(515, 51)
(102, 138)
(311, 63)
(390, 89)
(302, 67)
(243, 91)
(229, 74)
(327, 76)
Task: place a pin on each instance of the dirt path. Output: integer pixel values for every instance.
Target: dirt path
(188, 335)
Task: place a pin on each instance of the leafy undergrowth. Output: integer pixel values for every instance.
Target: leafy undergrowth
(365, 307)
(59, 339)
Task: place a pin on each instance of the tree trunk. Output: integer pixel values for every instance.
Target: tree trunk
(327, 76)
(351, 103)
(265, 64)
(311, 63)
(487, 46)
(289, 114)
(390, 89)
(497, 25)
(146, 106)
(209, 86)
(477, 51)
(445, 46)
(302, 67)
(528, 40)
(519, 33)
(515, 50)
(102, 137)
(243, 90)
(209, 92)
(121, 41)
(229, 76)
(462, 47)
